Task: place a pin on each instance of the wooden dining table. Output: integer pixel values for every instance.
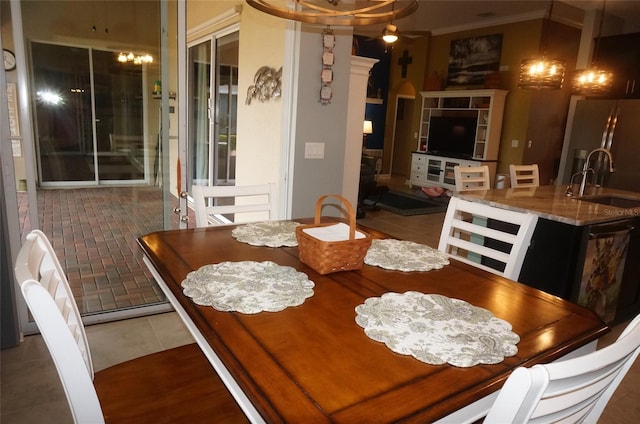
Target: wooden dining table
(313, 363)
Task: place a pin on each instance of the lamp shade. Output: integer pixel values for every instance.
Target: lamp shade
(592, 81)
(367, 128)
(542, 74)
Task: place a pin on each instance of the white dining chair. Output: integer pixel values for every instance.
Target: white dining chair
(160, 387)
(572, 391)
(220, 205)
(524, 175)
(470, 178)
(487, 237)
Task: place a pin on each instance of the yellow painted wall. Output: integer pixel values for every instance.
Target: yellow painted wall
(259, 124)
(411, 85)
(536, 116)
(519, 41)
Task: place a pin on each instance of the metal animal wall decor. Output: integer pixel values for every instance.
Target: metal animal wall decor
(267, 85)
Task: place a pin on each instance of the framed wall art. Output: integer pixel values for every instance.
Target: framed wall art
(472, 59)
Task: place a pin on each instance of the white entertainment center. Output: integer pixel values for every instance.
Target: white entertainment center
(474, 117)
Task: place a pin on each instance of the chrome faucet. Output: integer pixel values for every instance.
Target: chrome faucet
(586, 169)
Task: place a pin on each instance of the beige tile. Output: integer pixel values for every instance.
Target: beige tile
(30, 386)
(119, 341)
(170, 330)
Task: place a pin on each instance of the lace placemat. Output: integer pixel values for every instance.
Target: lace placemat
(248, 287)
(267, 233)
(436, 329)
(404, 255)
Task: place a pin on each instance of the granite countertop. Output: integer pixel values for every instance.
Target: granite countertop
(550, 202)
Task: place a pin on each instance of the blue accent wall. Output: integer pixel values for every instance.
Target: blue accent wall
(378, 86)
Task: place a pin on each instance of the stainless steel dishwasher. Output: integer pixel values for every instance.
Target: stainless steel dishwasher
(603, 266)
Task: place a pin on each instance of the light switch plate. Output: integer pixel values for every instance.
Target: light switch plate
(314, 150)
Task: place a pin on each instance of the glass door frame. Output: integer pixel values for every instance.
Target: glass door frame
(212, 105)
(146, 131)
(26, 123)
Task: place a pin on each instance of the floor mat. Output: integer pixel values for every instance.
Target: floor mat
(403, 204)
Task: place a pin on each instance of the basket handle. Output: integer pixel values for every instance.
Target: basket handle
(350, 211)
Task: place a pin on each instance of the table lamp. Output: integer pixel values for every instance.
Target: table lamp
(367, 128)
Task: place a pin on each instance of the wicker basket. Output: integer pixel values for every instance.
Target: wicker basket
(332, 256)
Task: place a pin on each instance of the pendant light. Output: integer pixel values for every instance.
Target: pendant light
(136, 59)
(593, 80)
(542, 73)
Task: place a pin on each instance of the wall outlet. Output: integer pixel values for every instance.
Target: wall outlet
(514, 143)
(314, 150)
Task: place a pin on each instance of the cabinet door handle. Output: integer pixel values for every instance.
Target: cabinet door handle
(633, 86)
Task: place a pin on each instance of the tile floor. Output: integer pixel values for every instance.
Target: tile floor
(31, 391)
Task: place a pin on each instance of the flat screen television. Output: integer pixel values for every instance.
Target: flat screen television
(452, 135)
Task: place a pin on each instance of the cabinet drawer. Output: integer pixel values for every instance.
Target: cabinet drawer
(419, 159)
(418, 167)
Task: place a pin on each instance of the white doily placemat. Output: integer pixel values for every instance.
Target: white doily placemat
(436, 329)
(248, 287)
(267, 233)
(404, 255)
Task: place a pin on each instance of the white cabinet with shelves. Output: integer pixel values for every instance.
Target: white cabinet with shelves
(465, 130)
(430, 170)
(482, 108)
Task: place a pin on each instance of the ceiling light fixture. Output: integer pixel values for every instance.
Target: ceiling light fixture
(593, 80)
(336, 12)
(542, 73)
(136, 59)
(390, 34)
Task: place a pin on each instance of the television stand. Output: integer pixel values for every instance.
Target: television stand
(431, 170)
(487, 106)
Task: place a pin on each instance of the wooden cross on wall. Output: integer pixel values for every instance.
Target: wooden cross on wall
(404, 61)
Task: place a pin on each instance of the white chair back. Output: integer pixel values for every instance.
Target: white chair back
(572, 391)
(214, 204)
(487, 237)
(48, 296)
(524, 175)
(470, 178)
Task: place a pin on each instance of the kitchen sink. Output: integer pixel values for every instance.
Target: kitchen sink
(617, 201)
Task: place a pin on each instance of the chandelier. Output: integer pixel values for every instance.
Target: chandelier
(336, 12)
(137, 59)
(594, 80)
(542, 73)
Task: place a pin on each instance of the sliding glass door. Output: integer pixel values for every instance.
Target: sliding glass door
(213, 90)
(89, 112)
